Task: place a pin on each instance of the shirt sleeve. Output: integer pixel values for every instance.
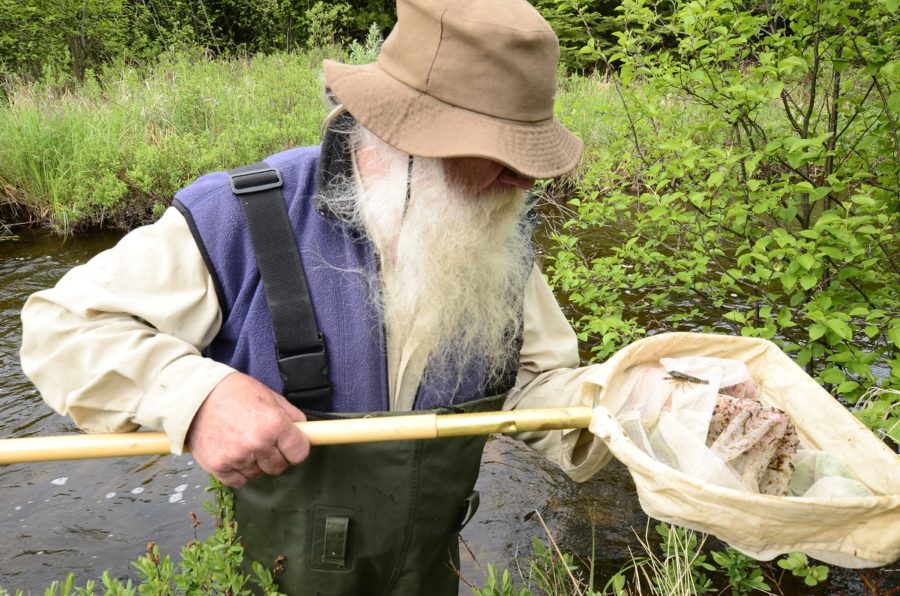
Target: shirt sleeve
(549, 376)
(116, 345)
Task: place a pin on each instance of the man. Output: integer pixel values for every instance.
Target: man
(412, 231)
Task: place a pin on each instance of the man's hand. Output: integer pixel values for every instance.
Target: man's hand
(244, 430)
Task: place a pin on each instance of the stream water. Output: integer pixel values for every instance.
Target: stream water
(87, 516)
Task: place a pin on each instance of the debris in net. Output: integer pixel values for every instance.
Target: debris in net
(756, 440)
(746, 389)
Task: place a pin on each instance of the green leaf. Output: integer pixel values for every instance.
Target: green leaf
(833, 253)
(736, 316)
(833, 376)
(816, 331)
(775, 89)
(784, 317)
(808, 281)
(847, 387)
(893, 334)
(894, 99)
(840, 328)
(715, 180)
(792, 63)
(806, 261)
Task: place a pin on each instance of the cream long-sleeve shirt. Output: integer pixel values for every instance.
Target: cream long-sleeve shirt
(116, 344)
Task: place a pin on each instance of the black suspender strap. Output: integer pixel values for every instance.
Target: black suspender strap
(299, 346)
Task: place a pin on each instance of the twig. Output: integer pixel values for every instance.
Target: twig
(559, 552)
(814, 79)
(776, 583)
(852, 149)
(859, 107)
(787, 110)
(884, 101)
(471, 554)
(890, 260)
(832, 127)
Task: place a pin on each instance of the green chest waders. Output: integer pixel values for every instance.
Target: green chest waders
(366, 519)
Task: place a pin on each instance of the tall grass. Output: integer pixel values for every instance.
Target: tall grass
(114, 150)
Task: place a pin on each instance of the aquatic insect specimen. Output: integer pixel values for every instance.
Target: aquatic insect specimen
(675, 375)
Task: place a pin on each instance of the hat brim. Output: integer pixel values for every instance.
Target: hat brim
(417, 123)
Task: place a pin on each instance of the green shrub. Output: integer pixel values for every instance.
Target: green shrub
(677, 565)
(575, 21)
(367, 51)
(750, 169)
(67, 38)
(744, 575)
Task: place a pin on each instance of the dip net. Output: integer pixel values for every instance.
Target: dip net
(727, 435)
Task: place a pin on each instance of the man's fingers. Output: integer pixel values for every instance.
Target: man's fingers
(231, 478)
(272, 462)
(294, 445)
(293, 412)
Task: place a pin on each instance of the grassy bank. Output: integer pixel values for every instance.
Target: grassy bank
(114, 150)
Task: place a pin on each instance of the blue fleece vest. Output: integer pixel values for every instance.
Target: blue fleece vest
(337, 260)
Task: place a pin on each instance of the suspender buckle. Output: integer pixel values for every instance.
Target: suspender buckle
(306, 382)
(243, 183)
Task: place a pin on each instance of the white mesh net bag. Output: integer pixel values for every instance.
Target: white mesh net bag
(727, 435)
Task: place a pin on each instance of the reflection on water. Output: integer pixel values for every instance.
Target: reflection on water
(83, 516)
(100, 516)
(596, 516)
(88, 516)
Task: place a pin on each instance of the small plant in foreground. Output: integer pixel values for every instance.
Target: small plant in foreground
(499, 587)
(798, 564)
(680, 569)
(744, 575)
(550, 571)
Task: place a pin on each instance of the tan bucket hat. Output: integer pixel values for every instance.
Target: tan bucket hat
(464, 78)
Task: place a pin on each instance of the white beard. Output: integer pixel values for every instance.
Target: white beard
(455, 265)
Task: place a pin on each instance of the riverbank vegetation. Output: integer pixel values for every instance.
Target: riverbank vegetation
(672, 562)
(751, 186)
(113, 150)
(741, 172)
